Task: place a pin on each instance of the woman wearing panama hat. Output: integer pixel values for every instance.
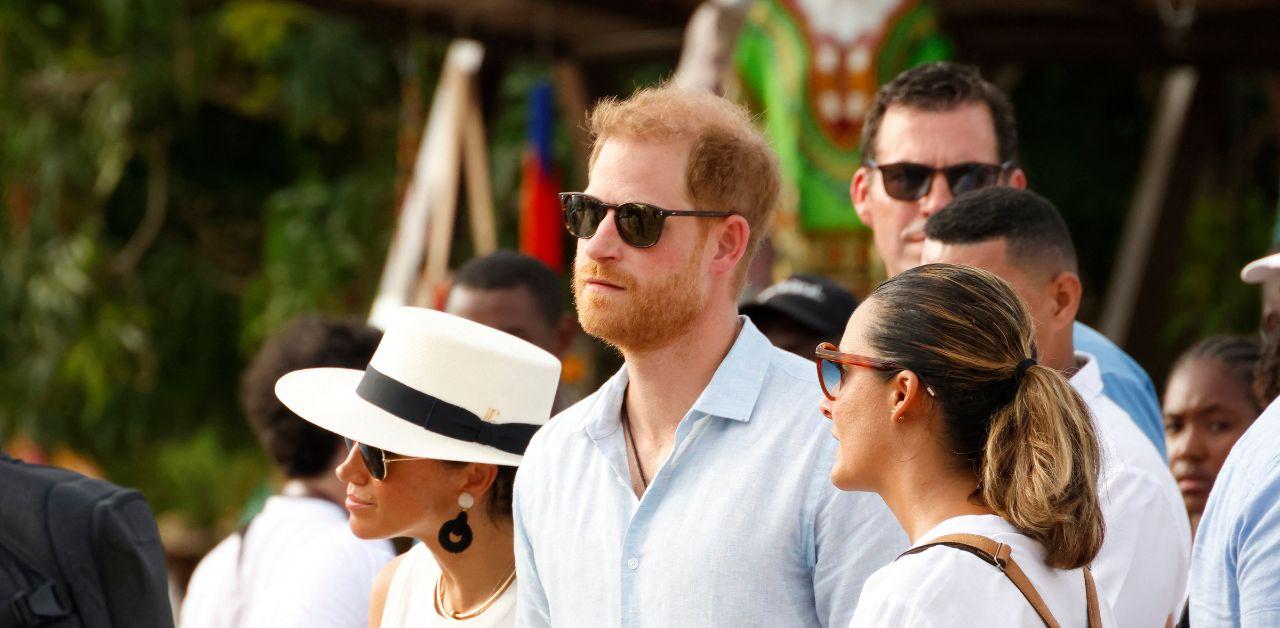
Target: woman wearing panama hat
(436, 426)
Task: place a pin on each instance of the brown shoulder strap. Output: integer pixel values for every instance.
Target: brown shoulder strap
(1091, 595)
(998, 554)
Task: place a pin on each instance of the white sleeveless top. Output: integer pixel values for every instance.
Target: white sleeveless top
(411, 599)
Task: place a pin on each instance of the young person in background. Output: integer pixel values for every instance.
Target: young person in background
(1235, 566)
(1208, 405)
(296, 564)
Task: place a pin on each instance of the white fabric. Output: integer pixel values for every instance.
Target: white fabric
(411, 598)
(1146, 555)
(944, 587)
(1261, 269)
(302, 567)
(494, 375)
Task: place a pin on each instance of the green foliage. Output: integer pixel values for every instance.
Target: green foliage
(1223, 234)
(178, 180)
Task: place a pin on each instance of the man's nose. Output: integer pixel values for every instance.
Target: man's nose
(606, 243)
(938, 197)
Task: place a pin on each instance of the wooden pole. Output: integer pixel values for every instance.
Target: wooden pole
(1176, 92)
(430, 200)
(484, 232)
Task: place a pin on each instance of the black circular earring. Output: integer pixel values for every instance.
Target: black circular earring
(457, 527)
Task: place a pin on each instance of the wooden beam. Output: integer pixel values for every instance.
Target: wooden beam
(1176, 92)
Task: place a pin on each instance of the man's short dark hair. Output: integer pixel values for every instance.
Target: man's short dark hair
(940, 87)
(298, 447)
(508, 269)
(1032, 226)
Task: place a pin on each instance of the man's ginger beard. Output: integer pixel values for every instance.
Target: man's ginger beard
(641, 317)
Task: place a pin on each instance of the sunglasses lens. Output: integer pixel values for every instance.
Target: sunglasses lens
(969, 177)
(582, 214)
(832, 374)
(906, 182)
(639, 225)
(372, 457)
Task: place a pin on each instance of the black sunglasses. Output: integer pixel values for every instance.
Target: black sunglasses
(639, 224)
(375, 460)
(906, 181)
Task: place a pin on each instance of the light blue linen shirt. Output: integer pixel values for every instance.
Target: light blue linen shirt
(740, 526)
(1235, 564)
(1126, 383)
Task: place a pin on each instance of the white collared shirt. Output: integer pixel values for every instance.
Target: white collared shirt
(1143, 566)
(740, 526)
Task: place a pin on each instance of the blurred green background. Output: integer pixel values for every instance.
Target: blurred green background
(178, 179)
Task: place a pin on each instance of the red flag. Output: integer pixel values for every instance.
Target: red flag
(541, 222)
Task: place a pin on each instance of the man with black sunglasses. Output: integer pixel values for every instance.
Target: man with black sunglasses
(691, 489)
(937, 131)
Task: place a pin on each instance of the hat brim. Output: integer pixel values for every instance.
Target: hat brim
(1262, 269)
(327, 397)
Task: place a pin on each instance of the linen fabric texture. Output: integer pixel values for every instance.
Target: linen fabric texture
(1235, 571)
(740, 526)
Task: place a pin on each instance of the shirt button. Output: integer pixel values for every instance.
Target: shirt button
(632, 563)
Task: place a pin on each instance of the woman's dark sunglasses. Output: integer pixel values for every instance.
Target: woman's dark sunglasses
(375, 460)
(831, 367)
(639, 224)
(906, 181)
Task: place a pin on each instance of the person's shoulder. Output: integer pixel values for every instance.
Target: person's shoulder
(934, 579)
(385, 582)
(217, 566)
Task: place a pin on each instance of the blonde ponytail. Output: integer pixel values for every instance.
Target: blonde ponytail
(1040, 468)
(1021, 428)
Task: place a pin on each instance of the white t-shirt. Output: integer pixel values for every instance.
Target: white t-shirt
(1143, 565)
(943, 586)
(301, 567)
(411, 598)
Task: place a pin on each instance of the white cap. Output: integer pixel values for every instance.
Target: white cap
(1260, 270)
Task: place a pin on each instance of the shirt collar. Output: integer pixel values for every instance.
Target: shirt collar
(731, 393)
(1087, 380)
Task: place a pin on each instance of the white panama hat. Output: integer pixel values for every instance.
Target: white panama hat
(438, 386)
(1261, 269)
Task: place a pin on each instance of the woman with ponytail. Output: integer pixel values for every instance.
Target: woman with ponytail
(987, 459)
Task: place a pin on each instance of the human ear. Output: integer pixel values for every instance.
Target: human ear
(476, 478)
(731, 244)
(909, 394)
(1066, 290)
(1018, 179)
(858, 190)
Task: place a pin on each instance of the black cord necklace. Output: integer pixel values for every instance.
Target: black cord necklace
(631, 441)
